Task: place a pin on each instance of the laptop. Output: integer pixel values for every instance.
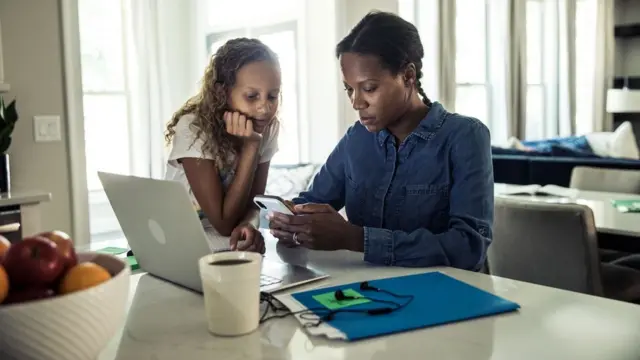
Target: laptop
(167, 238)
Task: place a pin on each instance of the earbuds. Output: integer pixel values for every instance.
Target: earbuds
(339, 295)
(365, 286)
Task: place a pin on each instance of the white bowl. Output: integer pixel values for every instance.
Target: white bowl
(67, 327)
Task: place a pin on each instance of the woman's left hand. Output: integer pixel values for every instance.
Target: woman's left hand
(318, 227)
(245, 237)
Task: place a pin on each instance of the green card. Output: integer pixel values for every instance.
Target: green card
(627, 206)
(111, 250)
(329, 301)
(133, 263)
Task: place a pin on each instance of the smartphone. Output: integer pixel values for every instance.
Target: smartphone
(272, 203)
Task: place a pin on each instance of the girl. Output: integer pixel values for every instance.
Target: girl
(416, 179)
(222, 141)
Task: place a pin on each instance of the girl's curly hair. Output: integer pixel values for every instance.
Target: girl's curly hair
(210, 103)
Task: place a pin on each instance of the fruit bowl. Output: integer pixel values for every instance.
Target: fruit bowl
(72, 326)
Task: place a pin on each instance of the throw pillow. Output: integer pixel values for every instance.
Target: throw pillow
(289, 181)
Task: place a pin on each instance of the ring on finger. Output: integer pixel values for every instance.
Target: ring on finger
(295, 238)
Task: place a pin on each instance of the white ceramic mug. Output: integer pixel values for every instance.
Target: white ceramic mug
(231, 289)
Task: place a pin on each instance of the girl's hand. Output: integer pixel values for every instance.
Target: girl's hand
(245, 237)
(238, 125)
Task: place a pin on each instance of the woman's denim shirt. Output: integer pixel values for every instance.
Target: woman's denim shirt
(427, 202)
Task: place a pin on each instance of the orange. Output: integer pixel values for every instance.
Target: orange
(4, 284)
(4, 246)
(83, 276)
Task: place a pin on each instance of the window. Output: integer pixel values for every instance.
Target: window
(280, 33)
(586, 14)
(547, 61)
(106, 104)
(103, 84)
(472, 43)
(536, 92)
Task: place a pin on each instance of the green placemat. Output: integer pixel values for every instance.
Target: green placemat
(627, 206)
(329, 301)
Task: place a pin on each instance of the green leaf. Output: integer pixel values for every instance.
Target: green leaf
(6, 131)
(10, 114)
(5, 142)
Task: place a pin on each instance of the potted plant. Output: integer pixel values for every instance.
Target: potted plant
(8, 119)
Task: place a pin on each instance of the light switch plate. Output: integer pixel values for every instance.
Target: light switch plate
(46, 128)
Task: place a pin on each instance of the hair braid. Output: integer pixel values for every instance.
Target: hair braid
(425, 99)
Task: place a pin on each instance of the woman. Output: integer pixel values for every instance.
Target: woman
(222, 141)
(416, 180)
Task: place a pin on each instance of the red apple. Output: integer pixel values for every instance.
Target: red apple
(65, 247)
(33, 262)
(24, 295)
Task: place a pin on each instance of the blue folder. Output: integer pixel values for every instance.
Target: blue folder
(438, 299)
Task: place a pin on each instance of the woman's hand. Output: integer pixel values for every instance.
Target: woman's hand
(316, 226)
(245, 237)
(238, 125)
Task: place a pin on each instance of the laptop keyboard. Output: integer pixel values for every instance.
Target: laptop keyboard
(266, 280)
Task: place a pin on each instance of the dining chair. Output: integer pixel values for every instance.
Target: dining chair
(604, 179)
(556, 245)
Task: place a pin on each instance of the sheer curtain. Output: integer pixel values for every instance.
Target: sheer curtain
(603, 52)
(514, 63)
(436, 21)
(551, 68)
(160, 77)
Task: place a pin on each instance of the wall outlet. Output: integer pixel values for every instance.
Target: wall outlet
(46, 128)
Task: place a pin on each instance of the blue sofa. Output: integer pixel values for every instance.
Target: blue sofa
(542, 169)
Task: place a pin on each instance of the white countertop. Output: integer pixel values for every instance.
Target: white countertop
(24, 198)
(168, 322)
(607, 218)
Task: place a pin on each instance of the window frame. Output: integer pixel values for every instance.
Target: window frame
(97, 198)
(488, 88)
(541, 83)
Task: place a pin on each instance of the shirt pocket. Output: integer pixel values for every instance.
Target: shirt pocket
(355, 201)
(425, 206)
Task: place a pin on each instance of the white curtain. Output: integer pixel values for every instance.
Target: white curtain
(558, 68)
(604, 53)
(516, 69)
(534, 49)
(436, 21)
(159, 75)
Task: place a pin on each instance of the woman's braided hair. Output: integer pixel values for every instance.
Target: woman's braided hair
(394, 40)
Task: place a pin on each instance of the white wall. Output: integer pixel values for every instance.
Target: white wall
(33, 66)
(329, 111)
(627, 61)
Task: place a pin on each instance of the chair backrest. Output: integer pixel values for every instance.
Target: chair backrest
(603, 179)
(551, 244)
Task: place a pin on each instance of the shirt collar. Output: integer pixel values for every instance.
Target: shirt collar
(427, 126)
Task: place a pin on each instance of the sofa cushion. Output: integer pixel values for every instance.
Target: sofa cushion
(287, 181)
(620, 143)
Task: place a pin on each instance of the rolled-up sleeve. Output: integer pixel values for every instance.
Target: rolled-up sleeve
(464, 244)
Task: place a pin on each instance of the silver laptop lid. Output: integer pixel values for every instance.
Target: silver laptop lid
(160, 224)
